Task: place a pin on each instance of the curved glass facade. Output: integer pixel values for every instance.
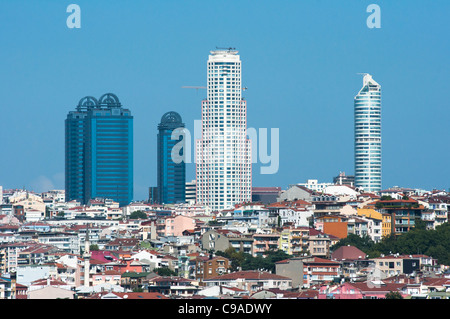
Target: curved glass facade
(171, 174)
(367, 110)
(99, 151)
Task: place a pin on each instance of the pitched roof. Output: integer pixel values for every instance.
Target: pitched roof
(317, 260)
(249, 275)
(348, 253)
(45, 281)
(128, 295)
(383, 287)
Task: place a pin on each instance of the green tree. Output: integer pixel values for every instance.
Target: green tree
(164, 271)
(364, 243)
(394, 295)
(236, 258)
(139, 214)
(244, 261)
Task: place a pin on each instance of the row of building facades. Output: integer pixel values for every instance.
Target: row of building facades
(43, 239)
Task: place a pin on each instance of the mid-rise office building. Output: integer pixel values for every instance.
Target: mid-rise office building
(171, 162)
(343, 179)
(223, 153)
(368, 136)
(99, 151)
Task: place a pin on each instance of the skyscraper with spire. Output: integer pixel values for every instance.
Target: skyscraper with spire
(367, 108)
(223, 153)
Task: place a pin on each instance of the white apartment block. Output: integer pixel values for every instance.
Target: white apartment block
(315, 186)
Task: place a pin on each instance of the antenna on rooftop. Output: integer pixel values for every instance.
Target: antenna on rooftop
(228, 49)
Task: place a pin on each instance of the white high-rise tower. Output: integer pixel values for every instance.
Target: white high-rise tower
(368, 136)
(223, 154)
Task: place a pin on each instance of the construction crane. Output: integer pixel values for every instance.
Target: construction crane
(204, 87)
(194, 87)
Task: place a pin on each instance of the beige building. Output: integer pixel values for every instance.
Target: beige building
(28, 201)
(50, 292)
(175, 226)
(395, 265)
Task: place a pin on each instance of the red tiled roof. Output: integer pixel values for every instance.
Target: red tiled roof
(348, 253)
(304, 294)
(44, 281)
(386, 287)
(436, 282)
(131, 295)
(249, 275)
(317, 260)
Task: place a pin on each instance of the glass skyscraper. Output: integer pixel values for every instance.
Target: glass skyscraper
(367, 105)
(223, 154)
(171, 163)
(99, 151)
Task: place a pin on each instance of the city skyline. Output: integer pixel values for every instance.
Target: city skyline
(407, 55)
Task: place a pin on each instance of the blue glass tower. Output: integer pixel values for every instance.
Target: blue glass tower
(99, 151)
(368, 136)
(171, 164)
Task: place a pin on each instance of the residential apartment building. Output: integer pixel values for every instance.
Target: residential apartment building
(206, 267)
(436, 213)
(298, 240)
(262, 243)
(335, 225)
(319, 270)
(251, 281)
(397, 264)
(403, 212)
(375, 223)
(242, 243)
(315, 186)
(174, 226)
(320, 243)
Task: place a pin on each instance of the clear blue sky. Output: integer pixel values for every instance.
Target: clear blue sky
(300, 63)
